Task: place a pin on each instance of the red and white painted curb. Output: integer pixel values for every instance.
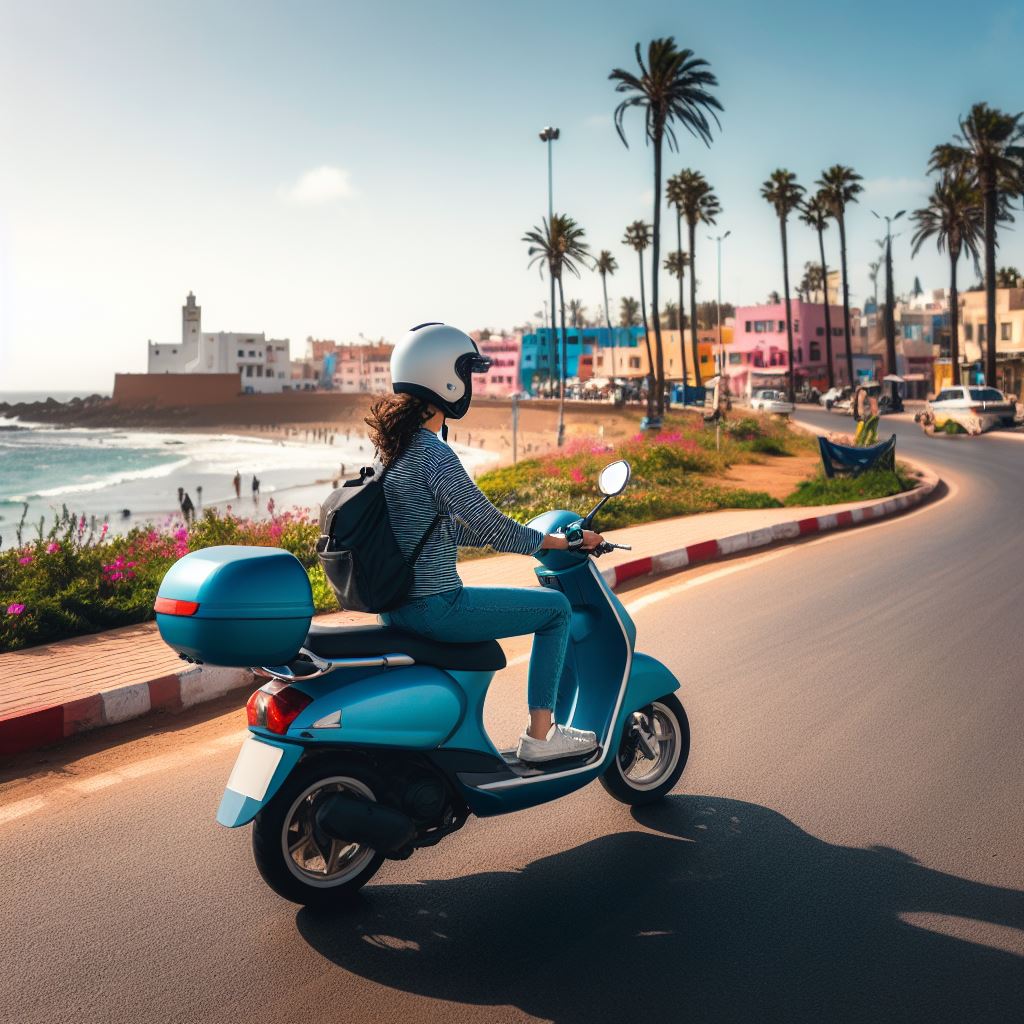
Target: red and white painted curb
(41, 727)
(724, 547)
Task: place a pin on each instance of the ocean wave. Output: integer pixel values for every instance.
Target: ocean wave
(112, 480)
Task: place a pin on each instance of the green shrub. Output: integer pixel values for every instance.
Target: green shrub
(876, 483)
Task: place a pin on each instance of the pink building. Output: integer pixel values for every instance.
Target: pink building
(502, 379)
(758, 355)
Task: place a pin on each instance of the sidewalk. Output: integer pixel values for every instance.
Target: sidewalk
(50, 692)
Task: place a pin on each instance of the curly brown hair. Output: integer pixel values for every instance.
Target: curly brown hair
(393, 422)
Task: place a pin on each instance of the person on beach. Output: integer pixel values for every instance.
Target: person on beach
(430, 495)
(188, 510)
(255, 488)
(199, 495)
(238, 484)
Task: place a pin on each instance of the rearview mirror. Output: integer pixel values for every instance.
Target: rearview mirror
(614, 477)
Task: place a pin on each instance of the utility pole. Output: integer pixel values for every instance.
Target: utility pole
(890, 297)
(718, 240)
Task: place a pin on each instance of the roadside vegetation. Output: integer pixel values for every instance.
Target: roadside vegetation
(67, 579)
(876, 483)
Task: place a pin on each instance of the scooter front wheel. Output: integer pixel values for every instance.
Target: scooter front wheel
(288, 854)
(652, 754)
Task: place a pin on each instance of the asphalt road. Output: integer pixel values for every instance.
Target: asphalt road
(846, 844)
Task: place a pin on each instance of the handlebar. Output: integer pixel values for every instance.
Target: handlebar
(606, 546)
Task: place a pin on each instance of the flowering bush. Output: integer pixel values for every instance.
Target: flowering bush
(72, 580)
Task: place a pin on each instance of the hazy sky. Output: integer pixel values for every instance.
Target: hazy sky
(332, 169)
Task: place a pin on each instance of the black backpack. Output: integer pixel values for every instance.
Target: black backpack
(357, 548)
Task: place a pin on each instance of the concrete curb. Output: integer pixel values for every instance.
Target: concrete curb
(45, 726)
(724, 547)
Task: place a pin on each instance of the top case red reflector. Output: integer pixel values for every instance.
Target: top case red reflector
(168, 606)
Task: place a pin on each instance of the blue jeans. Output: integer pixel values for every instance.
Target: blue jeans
(470, 614)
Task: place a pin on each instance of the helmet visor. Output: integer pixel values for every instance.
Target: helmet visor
(471, 362)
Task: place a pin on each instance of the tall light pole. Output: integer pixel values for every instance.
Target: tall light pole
(547, 136)
(890, 320)
(718, 240)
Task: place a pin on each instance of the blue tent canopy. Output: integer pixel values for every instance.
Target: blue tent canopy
(844, 459)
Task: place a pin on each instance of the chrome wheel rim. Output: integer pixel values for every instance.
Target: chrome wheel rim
(306, 860)
(641, 772)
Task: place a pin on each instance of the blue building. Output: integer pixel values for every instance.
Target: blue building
(542, 352)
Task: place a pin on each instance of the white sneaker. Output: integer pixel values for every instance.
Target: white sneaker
(559, 743)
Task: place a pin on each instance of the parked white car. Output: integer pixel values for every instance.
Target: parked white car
(770, 401)
(973, 405)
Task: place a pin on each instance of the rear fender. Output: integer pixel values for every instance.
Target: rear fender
(240, 805)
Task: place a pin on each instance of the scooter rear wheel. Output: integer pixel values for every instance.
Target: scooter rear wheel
(636, 778)
(285, 848)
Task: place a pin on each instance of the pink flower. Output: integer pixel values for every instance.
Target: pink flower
(52, 547)
(15, 609)
(27, 560)
(103, 532)
(577, 475)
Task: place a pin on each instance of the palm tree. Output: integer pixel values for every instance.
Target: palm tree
(1008, 277)
(990, 148)
(671, 315)
(676, 263)
(577, 313)
(696, 202)
(815, 213)
(674, 195)
(954, 217)
(673, 86)
(605, 265)
(783, 193)
(629, 312)
(873, 270)
(638, 237)
(560, 245)
(840, 186)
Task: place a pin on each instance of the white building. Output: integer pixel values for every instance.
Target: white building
(263, 363)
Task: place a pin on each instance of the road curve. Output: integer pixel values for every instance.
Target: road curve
(845, 845)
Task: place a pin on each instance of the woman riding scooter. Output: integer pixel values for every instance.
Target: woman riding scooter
(431, 372)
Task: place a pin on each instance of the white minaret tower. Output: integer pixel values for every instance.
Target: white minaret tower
(191, 328)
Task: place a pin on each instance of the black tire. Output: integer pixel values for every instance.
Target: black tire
(282, 818)
(828, 405)
(634, 792)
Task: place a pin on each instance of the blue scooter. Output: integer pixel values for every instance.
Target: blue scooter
(369, 742)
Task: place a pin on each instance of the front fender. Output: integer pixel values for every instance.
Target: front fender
(648, 680)
(246, 794)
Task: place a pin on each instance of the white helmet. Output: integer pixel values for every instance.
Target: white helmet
(436, 362)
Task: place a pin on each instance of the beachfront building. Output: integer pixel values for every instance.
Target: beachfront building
(540, 361)
(1009, 339)
(502, 379)
(363, 368)
(263, 364)
(629, 362)
(758, 355)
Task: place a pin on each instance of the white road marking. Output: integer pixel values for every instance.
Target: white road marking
(22, 807)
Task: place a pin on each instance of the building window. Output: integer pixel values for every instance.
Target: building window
(174, 351)
(815, 352)
(156, 351)
(248, 371)
(982, 331)
(782, 325)
(819, 331)
(796, 325)
(800, 354)
(969, 331)
(734, 358)
(252, 352)
(747, 327)
(241, 351)
(634, 363)
(1004, 332)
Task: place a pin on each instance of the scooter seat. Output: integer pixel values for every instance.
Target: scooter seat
(361, 641)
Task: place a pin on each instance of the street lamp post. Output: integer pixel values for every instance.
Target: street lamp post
(890, 320)
(718, 240)
(547, 136)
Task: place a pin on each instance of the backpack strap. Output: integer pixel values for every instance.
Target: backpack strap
(423, 540)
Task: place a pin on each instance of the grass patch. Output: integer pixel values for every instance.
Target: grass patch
(876, 483)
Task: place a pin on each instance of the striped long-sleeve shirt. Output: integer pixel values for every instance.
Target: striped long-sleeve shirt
(428, 479)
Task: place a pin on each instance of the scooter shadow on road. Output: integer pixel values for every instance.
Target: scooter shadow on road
(732, 913)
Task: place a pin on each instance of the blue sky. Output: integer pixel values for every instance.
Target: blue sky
(337, 169)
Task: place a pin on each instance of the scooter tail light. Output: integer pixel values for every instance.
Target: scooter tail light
(169, 606)
(275, 707)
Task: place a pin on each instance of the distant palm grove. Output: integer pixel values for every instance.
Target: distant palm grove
(978, 175)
